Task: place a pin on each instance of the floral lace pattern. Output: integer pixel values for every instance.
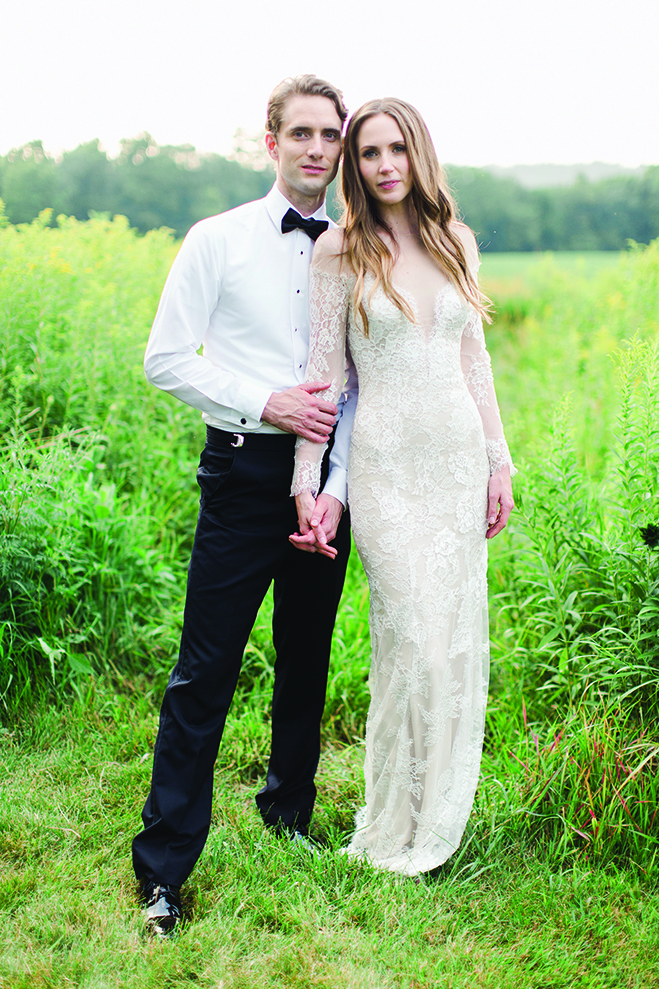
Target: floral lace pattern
(426, 435)
(327, 314)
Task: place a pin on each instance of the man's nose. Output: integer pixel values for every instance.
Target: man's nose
(315, 146)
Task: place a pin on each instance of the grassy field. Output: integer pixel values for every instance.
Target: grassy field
(555, 884)
(580, 263)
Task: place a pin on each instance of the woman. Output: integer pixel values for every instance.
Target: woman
(429, 477)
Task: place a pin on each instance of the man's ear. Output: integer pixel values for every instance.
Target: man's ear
(271, 145)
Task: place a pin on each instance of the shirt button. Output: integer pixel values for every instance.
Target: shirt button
(298, 291)
(299, 365)
(296, 329)
(243, 422)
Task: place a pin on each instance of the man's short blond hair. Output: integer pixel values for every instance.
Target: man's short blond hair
(306, 85)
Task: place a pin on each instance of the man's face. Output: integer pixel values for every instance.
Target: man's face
(307, 149)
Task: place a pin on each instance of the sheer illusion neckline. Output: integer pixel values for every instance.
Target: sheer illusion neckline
(404, 292)
(411, 298)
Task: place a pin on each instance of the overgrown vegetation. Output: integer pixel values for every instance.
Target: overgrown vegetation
(97, 508)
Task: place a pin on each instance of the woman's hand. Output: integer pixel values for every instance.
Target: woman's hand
(314, 518)
(500, 502)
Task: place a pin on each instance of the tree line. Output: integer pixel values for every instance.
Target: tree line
(585, 216)
(174, 186)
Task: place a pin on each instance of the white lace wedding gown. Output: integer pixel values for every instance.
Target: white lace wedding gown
(426, 436)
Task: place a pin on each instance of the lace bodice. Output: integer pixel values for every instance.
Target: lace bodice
(448, 356)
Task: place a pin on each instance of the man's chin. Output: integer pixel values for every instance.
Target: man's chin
(315, 186)
(311, 185)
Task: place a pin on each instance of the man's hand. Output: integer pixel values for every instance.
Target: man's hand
(499, 502)
(299, 410)
(318, 521)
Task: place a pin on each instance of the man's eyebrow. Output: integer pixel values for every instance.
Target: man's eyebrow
(309, 127)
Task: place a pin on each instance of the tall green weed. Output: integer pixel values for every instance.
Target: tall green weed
(82, 591)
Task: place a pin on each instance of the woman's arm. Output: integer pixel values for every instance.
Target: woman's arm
(477, 370)
(328, 309)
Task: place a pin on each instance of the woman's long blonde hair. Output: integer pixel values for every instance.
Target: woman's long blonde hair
(365, 250)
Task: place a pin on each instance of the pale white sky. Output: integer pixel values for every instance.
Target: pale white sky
(505, 82)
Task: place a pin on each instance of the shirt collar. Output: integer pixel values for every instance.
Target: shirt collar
(278, 205)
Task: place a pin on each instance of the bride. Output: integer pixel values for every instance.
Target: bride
(394, 292)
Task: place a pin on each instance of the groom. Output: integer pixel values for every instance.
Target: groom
(239, 288)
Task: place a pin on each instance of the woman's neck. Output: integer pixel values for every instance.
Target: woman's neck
(401, 220)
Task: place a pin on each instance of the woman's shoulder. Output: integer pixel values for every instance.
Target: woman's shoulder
(331, 243)
(466, 237)
(329, 252)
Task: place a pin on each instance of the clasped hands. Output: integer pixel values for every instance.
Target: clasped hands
(318, 520)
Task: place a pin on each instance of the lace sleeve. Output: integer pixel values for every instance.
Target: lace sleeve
(328, 309)
(477, 370)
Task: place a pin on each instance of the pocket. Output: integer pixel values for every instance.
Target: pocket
(214, 467)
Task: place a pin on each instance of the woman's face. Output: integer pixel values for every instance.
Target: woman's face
(383, 162)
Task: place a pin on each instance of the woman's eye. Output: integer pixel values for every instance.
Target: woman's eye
(400, 149)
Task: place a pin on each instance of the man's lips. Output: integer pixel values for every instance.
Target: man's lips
(314, 169)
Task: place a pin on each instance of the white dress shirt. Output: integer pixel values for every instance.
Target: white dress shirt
(239, 289)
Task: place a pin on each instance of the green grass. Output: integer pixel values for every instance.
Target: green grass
(260, 913)
(555, 882)
(517, 264)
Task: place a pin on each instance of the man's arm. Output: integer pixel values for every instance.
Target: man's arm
(188, 301)
(172, 363)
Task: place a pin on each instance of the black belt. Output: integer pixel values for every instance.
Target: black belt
(257, 441)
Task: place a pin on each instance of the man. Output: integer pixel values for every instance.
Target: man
(239, 287)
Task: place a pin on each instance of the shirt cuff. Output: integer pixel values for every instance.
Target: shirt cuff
(337, 485)
(251, 399)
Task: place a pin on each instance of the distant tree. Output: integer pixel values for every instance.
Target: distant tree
(29, 182)
(85, 182)
(219, 184)
(152, 187)
(502, 213)
(648, 204)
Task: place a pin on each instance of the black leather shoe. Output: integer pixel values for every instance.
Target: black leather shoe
(162, 907)
(301, 841)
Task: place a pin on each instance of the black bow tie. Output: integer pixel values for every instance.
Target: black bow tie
(292, 220)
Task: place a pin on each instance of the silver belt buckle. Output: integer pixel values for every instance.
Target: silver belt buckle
(240, 439)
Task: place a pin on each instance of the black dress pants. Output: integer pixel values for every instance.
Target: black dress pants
(241, 544)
